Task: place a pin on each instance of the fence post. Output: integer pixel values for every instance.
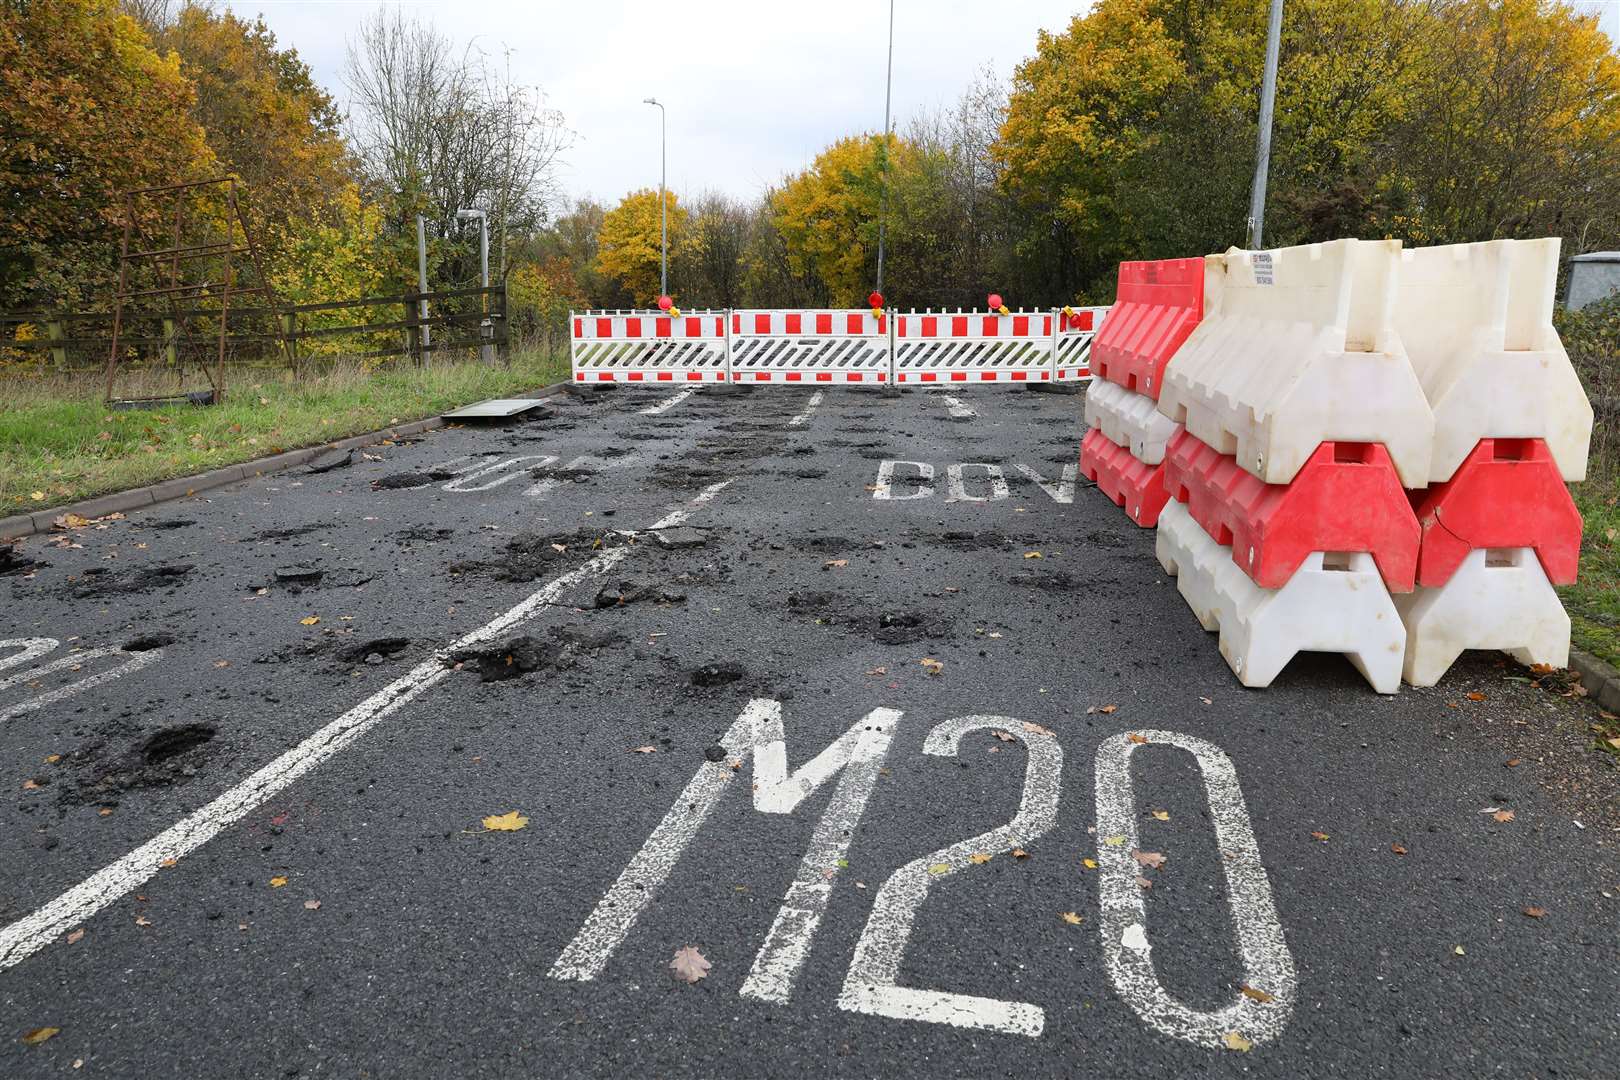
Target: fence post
(289, 327)
(55, 333)
(171, 348)
(413, 336)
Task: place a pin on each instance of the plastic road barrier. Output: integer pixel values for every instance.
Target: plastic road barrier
(1498, 599)
(1129, 419)
(1156, 307)
(1476, 320)
(1071, 347)
(1299, 349)
(1346, 497)
(1506, 493)
(649, 347)
(1132, 484)
(1333, 603)
(813, 346)
(970, 347)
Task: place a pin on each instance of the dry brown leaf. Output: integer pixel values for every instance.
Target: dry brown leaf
(1140, 740)
(39, 1035)
(939, 868)
(878, 671)
(1072, 919)
(1161, 815)
(142, 920)
(644, 750)
(277, 882)
(1535, 912)
(1032, 555)
(1474, 695)
(1257, 995)
(31, 785)
(70, 521)
(1004, 737)
(1235, 1041)
(931, 666)
(978, 857)
(1105, 710)
(831, 563)
(1503, 815)
(169, 864)
(689, 965)
(1144, 882)
(76, 936)
(105, 811)
(1149, 858)
(1019, 853)
(1036, 729)
(312, 905)
(222, 663)
(1089, 864)
(511, 821)
(1397, 849)
(1512, 763)
(310, 620)
(1322, 836)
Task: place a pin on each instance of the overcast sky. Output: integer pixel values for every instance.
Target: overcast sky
(753, 90)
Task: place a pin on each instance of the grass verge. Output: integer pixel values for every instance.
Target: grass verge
(1593, 602)
(59, 443)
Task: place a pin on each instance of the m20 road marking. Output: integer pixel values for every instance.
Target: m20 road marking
(973, 482)
(872, 982)
(34, 648)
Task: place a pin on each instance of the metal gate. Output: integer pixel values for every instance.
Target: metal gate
(640, 346)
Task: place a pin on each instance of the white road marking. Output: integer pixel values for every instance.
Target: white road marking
(136, 661)
(957, 487)
(32, 649)
(1063, 490)
(26, 936)
(957, 408)
(871, 984)
(1267, 964)
(547, 484)
(503, 470)
(757, 733)
(884, 488)
(809, 408)
(669, 402)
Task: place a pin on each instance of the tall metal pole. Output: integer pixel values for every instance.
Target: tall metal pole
(883, 191)
(663, 199)
(421, 280)
(1262, 152)
(486, 329)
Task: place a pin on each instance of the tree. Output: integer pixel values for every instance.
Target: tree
(87, 111)
(628, 250)
(708, 267)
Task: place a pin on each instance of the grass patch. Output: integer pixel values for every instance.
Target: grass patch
(1593, 602)
(59, 443)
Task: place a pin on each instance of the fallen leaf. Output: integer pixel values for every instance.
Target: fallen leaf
(644, 750)
(1072, 919)
(1019, 853)
(142, 920)
(830, 563)
(1144, 882)
(1105, 710)
(1114, 841)
(1140, 740)
(222, 663)
(1257, 995)
(1397, 849)
(1207, 701)
(105, 811)
(1474, 695)
(1322, 836)
(1149, 858)
(169, 864)
(312, 905)
(277, 882)
(1459, 950)
(1089, 864)
(979, 857)
(1235, 1041)
(1032, 554)
(940, 868)
(931, 666)
(1512, 763)
(1503, 815)
(1161, 815)
(310, 620)
(1535, 912)
(689, 965)
(1036, 729)
(39, 1035)
(70, 521)
(76, 936)
(32, 785)
(878, 671)
(1004, 736)
(508, 822)
(38, 496)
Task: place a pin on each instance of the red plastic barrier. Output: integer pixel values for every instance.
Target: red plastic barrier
(1158, 305)
(1133, 484)
(1346, 497)
(1507, 493)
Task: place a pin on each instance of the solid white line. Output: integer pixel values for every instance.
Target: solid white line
(1127, 954)
(810, 408)
(957, 408)
(33, 932)
(669, 402)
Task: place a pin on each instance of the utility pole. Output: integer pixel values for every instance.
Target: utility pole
(883, 191)
(663, 199)
(1262, 152)
(421, 281)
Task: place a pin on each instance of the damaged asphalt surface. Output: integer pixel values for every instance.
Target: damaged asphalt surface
(406, 940)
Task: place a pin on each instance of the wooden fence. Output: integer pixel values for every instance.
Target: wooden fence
(361, 329)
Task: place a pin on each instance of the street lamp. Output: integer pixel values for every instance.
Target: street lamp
(663, 199)
(486, 329)
(883, 191)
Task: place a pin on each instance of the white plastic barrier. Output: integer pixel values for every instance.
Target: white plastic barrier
(1476, 320)
(809, 346)
(970, 347)
(1333, 603)
(1129, 419)
(1498, 599)
(640, 346)
(1299, 348)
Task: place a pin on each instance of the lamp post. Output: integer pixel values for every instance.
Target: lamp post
(883, 191)
(486, 329)
(663, 199)
(1262, 150)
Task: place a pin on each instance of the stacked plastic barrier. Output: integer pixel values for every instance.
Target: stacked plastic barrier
(1158, 305)
(1512, 427)
(1289, 528)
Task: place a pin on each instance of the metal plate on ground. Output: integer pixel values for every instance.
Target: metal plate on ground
(494, 409)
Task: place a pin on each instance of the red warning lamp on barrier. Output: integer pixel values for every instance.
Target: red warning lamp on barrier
(997, 306)
(665, 303)
(875, 302)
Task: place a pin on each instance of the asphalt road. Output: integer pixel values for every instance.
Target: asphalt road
(1027, 824)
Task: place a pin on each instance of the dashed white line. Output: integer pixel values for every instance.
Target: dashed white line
(21, 939)
(809, 409)
(136, 661)
(669, 402)
(957, 408)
